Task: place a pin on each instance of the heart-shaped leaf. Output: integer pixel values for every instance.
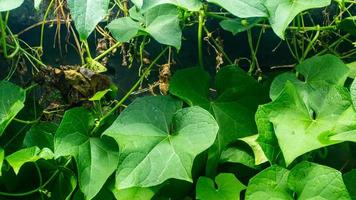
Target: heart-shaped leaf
(86, 14)
(12, 100)
(96, 158)
(159, 141)
(41, 135)
(228, 188)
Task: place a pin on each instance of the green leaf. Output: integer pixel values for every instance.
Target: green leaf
(124, 28)
(133, 193)
(99, 95)
(243, 8)
(315, 120)
(238, 153)
(352, 72)
(41, 135)
(92, 155)
(235, 105)
(270, 183)
(282, 12)
(349, 25)
(159, 141)
(238, 25)
(350, 182)
(12, 100)
(87, 14)
(37, 4)
(63, 186)
(259, 155)
(318, 70)
(353, 93)
(313, 181)
(228, 188)
(161, 22)
(191, 5)
(6, 5)
(31, 154)
(2, 156)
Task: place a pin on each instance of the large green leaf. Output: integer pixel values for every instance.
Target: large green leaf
(350, 182)
(313, 181)
(159, 141)
(270, 183)
(280, 13)
(161, 22)
(191, 5)
(6, 5)
(243, 8)
(96, 158)
(238, 96)
(87, 14)
(31, 154)
(12, 100)
(315, 119)
(228, 188)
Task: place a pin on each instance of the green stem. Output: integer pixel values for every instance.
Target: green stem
(200, 38)
(128, 94)
(310, 45)
(253, 53)
(44, 22)
(108, 51)
(26, 122)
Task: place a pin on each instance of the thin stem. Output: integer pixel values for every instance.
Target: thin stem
(128, 94)
(200, 38)
(26, 122)
(44, 22)
(310, 45)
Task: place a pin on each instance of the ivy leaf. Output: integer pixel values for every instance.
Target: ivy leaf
(243, 8)
(161, 22)
(31, 154)
(313, 181)
(238, 25)
(191, 5)
(159, 141)
(92, 155)
(41, 135)
(133, 193)
(6, 5)
(270, 183)
(228, 188)
(350, 182)
(87, 14)
(12, 100)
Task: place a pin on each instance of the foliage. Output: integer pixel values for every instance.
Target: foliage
(227, 131)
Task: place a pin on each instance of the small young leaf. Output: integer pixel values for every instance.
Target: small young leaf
(99, 95)
(229, 188)
(160, 141)
(31, 154)
(12, 100)
(238, 25)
